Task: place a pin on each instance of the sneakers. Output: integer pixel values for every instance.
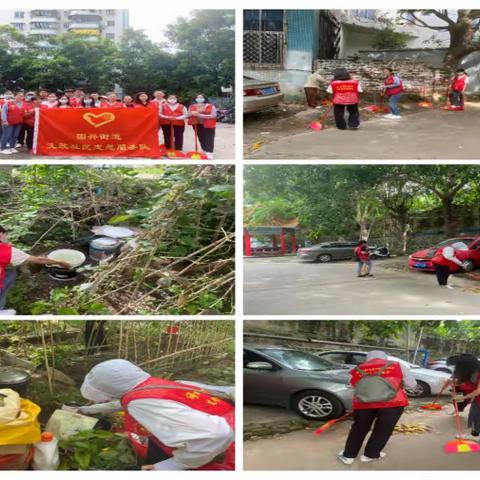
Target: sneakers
(345, 460)
(8, 311)
(389, 115)
(396, 117)
(450, 287)
(13, 150)
(7, 151)
(366, 459)
(209, 155)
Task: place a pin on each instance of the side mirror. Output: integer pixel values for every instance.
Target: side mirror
(260, 366)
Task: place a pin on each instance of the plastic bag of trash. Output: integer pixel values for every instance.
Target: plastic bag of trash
(9, 405)
(64, 424)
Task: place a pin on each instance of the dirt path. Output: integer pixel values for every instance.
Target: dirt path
(302, 450)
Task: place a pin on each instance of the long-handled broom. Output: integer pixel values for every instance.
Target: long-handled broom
(330, 423)
(171, 152)
(460, 445)
(317, 125)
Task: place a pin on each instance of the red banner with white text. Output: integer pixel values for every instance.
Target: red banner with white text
(106, 132)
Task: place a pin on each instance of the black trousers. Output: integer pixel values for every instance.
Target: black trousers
(21, 135)
(385, 420)
(442, 272)
(353, 116)
(178, 132)
(29, 140)
(206, 137)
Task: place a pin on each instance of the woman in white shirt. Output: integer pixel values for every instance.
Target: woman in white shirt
(189, 426)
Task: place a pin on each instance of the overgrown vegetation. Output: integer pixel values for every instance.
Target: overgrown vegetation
(181, 263)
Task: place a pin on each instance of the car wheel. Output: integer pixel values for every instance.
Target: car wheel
(468, 265)
(324, 258)
(422, 390)
(317, 405)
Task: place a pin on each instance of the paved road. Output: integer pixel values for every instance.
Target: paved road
(286, 286)
(224, 147)
(302, 450)
(427, 134)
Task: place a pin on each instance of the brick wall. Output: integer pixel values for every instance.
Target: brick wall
(416, 76)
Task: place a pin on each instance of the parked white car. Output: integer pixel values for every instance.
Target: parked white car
(429, 382)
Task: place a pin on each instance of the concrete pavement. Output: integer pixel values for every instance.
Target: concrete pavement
(287, 286)
(302, 450)
(426, 134)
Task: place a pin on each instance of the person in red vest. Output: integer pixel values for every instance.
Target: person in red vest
(173, 114)
(112, 101)
(142, 101)
(362, 256)
(457, 87)
(393, 89)
(51, 101)
(87, 102)
(64, 102)
(30, 113)
(203, 117)
(72, 100)
(158, 98)
(368, 410)
(12, 123)
(446, 262)
(466, 376)
(189, 426)
(11, 257)
(128, 101)
(29, 98)
(345, 92)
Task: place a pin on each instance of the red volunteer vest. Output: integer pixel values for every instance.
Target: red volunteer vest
(458, 83)
(5, 259)
(362, 255)
(207, 122)
(15, 114)
(29, 119)
(439, 259)
(345, 92)
(393, 374)
(195, 399)
(117, 104)
(166, 109)
(395, 90)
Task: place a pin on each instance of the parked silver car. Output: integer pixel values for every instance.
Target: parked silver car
(429, 382)
(328, 251)
(260, 94)
(311, 386)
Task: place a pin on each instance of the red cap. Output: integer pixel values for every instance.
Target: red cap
(47, 436)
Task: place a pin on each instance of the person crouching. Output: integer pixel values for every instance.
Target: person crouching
(345, 91)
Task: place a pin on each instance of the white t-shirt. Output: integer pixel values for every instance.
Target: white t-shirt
(18, 257)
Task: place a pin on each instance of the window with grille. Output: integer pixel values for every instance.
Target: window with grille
(19, 14)
(263, 37)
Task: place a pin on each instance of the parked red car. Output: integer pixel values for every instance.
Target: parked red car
(422, 260)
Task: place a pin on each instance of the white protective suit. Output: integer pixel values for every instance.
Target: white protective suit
(196, 436)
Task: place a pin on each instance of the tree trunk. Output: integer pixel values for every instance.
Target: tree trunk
(448, 216)
(461, 39)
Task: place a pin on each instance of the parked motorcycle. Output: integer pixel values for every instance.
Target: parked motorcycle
(379, 252)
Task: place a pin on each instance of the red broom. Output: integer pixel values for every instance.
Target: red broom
(330, 423)
(434, 405)
(460, 445)
(196, 155)
(171, 152)
(317, 125)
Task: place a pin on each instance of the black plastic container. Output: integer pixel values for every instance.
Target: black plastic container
(62, 273)
(16, 379)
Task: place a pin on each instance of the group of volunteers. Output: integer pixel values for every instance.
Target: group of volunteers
(346, 91)
(380, 397)
(18, 112)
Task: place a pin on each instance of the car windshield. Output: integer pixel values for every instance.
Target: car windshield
(299, 360)
(466, 241)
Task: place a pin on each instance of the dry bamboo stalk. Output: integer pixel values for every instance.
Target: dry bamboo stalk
(45, 356)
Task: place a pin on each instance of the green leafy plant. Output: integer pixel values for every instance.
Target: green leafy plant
(96, 450)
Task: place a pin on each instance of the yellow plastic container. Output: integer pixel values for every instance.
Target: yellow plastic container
(25, 429)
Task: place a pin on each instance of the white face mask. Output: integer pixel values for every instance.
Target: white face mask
(172, 101)
(63, 101)
(200, 100)
(87, 101)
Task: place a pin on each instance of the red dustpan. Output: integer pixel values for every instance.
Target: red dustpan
(460, 445)
(196, 155)
(424, 103)
(171, 152)
(433, 405)
(318, 125)
(330, 423)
